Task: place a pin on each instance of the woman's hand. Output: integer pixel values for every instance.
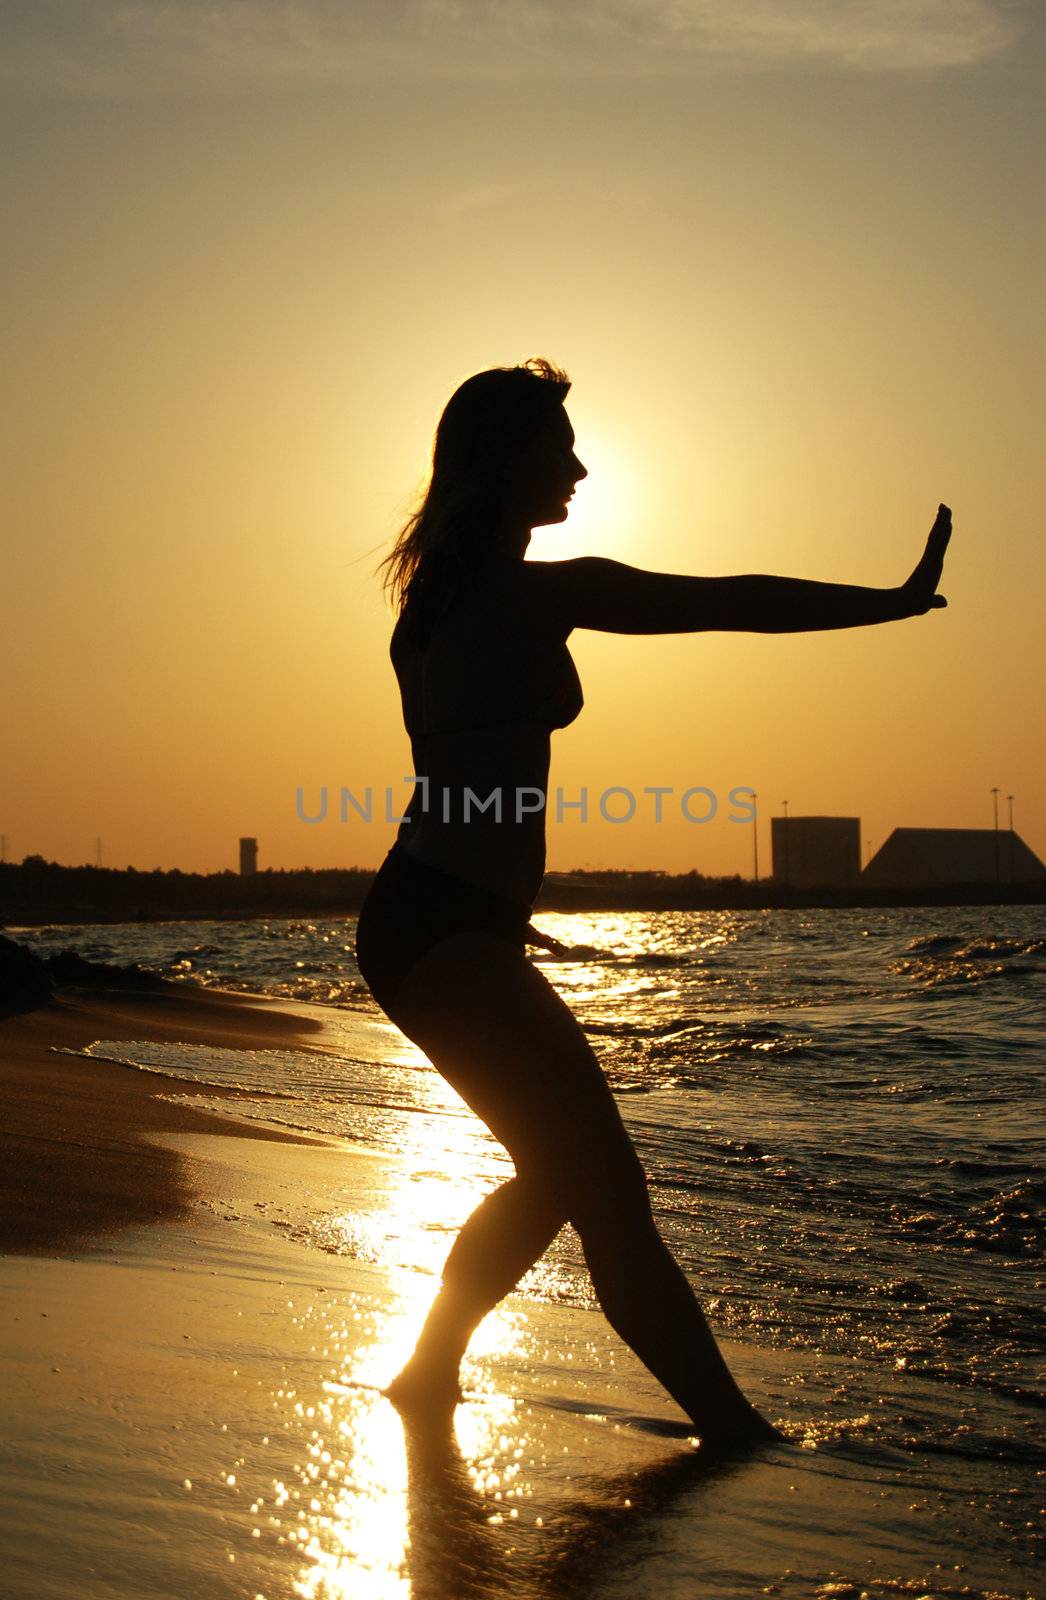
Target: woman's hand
(919, 594)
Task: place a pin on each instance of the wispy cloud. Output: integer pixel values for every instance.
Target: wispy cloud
(883, 34)
(480, 197)
(126, 47)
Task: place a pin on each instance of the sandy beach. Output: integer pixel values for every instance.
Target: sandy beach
(75, 1163)
(193, 1380)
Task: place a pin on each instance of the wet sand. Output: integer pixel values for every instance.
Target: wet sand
(193, 1358)
(196, 1411)
(75, 1161)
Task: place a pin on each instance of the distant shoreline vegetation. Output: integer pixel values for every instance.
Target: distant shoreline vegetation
(36, 891)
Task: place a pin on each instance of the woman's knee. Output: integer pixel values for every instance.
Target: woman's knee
(531, 1199)
(603, 1191)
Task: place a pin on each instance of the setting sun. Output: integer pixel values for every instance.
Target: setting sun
(602, 519)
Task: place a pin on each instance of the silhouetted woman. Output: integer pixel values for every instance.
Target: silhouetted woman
(479, 649)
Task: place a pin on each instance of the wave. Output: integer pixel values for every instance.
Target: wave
(345, 994)
(176, 1072)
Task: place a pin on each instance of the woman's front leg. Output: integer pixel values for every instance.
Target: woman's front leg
(508, 1232)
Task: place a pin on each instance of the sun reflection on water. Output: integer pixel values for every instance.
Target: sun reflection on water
(352, 1518)
(354, 1508)
(353, 1533)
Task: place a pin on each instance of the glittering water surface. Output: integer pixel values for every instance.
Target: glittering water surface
(840, 1113)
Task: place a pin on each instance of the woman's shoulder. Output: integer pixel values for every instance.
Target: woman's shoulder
(506, 588)
(515, 598)
(538, 591)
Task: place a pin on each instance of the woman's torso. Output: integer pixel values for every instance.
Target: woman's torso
(484, 678)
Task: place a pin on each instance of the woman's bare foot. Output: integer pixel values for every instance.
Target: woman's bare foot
(420, 1388)
(738, 1429)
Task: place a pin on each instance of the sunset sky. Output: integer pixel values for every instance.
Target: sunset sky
(791, 255)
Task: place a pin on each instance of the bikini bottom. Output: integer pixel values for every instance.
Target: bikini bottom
(411, 906)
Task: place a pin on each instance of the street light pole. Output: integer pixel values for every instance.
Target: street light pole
(1009, 802)
(995, 803)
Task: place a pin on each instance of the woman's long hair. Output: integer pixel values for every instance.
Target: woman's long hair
(485, 425)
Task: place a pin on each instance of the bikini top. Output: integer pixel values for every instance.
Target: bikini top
(498, 680)
(565, 698)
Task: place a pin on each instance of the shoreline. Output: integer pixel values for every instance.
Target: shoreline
(198, 1410)
(77, 1158)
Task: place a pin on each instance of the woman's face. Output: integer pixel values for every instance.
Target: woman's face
(547, 472)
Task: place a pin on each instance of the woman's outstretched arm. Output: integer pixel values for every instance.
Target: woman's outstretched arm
(607, 595)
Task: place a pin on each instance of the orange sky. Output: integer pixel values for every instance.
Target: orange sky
(792, 268)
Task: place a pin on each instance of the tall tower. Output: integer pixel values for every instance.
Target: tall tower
(248, 857)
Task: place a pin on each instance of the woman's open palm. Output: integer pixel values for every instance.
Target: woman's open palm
(920, 591)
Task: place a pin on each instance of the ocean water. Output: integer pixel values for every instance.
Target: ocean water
(841, 1114)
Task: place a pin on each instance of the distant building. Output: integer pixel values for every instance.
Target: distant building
(816, 852)
(248, 857)
(918, 857)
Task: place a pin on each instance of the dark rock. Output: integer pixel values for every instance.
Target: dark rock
(25, 982)
(70, 967)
